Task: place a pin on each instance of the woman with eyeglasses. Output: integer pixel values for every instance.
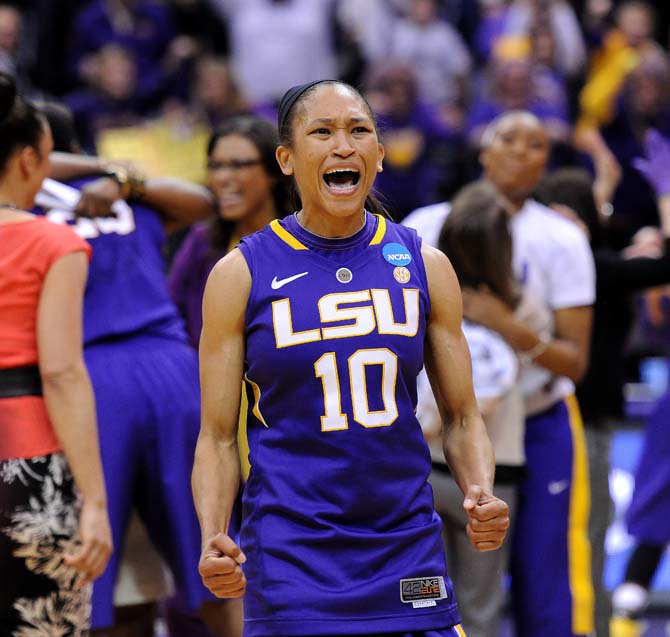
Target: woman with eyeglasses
(249, 190)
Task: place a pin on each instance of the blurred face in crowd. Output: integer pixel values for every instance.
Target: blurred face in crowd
(117, 73)
(213, 83)
(648, 87)
(393, 91)
(10, 28)
(423, 11)
(544, 46)
(515, 155)
(238, 180)
(636, 22)
(513, 82)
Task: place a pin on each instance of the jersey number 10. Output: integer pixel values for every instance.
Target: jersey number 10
(326, 369)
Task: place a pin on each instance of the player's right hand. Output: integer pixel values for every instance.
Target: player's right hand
(220, 568)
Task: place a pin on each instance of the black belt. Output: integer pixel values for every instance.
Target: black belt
(20, 381)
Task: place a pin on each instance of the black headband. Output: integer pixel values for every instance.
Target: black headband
(290, 98)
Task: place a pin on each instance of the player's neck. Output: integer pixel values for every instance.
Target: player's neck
(331, 227)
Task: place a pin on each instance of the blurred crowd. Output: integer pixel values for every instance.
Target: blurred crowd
(435, 71)
(162, 84)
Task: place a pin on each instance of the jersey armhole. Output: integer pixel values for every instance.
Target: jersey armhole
(423, 275)
(247, 252)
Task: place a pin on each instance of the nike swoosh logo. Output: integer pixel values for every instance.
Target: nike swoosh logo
(278, 283)
(558, 487)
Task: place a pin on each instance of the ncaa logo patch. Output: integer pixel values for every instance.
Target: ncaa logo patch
(401, 275)
(396, 254)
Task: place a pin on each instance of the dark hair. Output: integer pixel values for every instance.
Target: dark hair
(287, 120)
(573, 187)
(263, 135)
(477, 240)
(61, 122)
(21, 124)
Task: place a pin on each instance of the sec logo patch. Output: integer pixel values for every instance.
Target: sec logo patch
(401, 275)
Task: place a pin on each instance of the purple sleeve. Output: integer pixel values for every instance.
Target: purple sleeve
(187, 278)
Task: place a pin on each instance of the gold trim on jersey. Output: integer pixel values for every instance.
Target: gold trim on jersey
(290, 240)
(578, 525)
(286, 236)
(380, 232)
(257, 397)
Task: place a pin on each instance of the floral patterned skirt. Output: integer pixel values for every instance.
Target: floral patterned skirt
(39, 512)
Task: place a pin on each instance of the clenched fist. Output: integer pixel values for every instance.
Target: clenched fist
(220, 568)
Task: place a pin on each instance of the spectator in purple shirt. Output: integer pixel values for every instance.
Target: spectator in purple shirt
(513, 84)
(110, 101)
(144, 28)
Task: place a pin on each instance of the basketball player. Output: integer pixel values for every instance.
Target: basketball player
(145, 380)
(327, 316)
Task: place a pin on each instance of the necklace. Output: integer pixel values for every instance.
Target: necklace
(297, 218)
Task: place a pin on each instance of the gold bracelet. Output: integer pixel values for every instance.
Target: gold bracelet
(131, 183)
(120, 175)
(136, 181)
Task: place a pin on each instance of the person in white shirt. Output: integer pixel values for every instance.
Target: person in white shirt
(432, 46)
(552, 590)
(275, 44)
(477, 222)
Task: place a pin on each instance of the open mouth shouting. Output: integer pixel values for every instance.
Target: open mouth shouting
(342, 181)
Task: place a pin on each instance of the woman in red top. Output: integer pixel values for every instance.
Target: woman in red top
(54, 532)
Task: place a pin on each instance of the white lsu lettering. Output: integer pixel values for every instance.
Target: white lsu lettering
(365, 318)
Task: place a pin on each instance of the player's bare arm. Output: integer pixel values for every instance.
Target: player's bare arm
(216, 470)
(467, 448)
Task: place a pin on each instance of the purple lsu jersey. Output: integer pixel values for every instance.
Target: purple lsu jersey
(126, 291)
(339, 526)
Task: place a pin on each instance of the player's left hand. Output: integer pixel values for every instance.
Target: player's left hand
(488, 519)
